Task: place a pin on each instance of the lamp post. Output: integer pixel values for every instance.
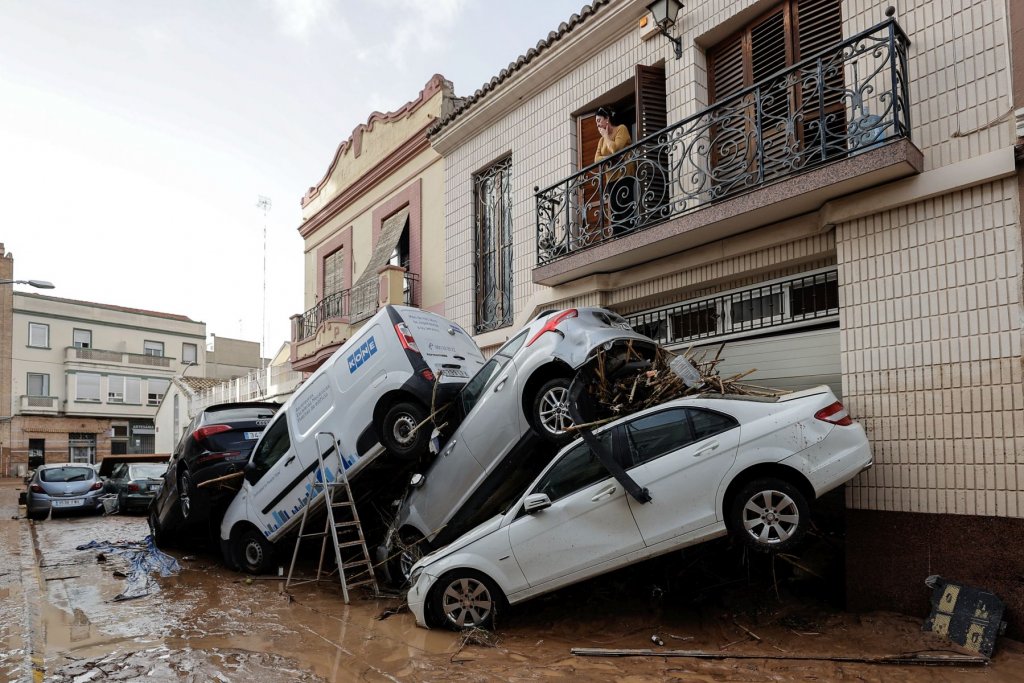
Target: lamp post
(664, 12)
(38, 284)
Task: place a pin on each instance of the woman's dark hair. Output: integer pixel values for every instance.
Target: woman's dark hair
(606, 112)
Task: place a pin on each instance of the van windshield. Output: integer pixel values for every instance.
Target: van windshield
(475, 388)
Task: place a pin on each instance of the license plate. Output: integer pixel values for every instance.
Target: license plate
(68, 503)
(456, 373)
(251, 436)
(154, 487)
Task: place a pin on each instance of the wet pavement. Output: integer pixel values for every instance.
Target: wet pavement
(59, 622)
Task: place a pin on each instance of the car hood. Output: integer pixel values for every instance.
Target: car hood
(474, 534)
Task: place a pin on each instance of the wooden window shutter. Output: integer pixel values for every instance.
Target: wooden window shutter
(727, 68)
(819, 26)
(651, 115)
(333, 280)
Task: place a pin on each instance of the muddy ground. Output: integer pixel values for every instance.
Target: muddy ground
(58, 622)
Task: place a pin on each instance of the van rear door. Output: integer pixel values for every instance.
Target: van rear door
(448, 350)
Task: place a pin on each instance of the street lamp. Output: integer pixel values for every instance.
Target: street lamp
(38, 284)
(664, 12)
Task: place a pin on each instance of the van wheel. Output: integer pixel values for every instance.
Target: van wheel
(398, 431)
(550, 410)
(253, 553)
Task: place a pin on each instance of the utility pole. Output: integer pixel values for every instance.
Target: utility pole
(264, 203)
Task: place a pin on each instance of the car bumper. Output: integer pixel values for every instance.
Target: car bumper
(417, 599)
(91, 502)
(138, 500)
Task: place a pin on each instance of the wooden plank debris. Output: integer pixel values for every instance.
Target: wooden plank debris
(923, 658)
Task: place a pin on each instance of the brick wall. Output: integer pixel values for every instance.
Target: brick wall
(930, 302)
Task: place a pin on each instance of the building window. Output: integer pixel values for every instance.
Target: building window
(36, 452)
(82, 447)
(155, 392)
(133, 391)
(189, 353)
(493, 228)
(115, 389)
(81, 339)
(38, 384)
(39, 335)
(792, 112)
(153, 348)
(87, 387)
(334, 280)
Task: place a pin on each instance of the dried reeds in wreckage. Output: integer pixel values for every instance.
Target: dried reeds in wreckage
(630, 377)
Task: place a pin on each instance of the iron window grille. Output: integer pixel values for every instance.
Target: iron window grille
(493, 246)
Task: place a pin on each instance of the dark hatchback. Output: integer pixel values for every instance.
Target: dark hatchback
(215, 444)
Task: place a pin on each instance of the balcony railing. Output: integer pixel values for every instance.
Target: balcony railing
(841, 102)
(121, 357)
(331, 306)
(809, 299)
(31, 404)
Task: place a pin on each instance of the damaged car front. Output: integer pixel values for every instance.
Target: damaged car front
(515, 413)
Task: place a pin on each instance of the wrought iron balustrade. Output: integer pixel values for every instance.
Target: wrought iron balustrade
(807, 299)
(331, 306)
(411, 289)
(843, 101)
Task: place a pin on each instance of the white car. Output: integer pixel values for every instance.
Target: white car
(711, 464)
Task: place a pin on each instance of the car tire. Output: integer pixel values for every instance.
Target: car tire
(549, 410)
(188, 499)
(37, 515)
(769, 515)
(161, 538)
(403, 555)
(396, 430)
(447, 600)
(253, 553)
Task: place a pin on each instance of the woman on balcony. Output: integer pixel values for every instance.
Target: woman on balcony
(619, 180)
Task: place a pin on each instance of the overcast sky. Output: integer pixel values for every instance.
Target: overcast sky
(136, 136)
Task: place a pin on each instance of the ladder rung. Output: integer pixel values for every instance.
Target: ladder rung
(341, 503)
(338, 525)
(313, 534)
(350, 544)
(359, 583)
(356, 563)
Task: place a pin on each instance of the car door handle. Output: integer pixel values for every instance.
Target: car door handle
(289, 461)
(451, 447)
(707, 449)
(607, 493)
(501, 384)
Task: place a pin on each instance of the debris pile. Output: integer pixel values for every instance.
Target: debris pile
(632, 377)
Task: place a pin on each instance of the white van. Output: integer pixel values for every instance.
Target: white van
(370, 395)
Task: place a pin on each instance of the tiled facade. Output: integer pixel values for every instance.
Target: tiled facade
(929, 267)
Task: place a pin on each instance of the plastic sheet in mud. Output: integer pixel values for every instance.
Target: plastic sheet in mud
(144, 558)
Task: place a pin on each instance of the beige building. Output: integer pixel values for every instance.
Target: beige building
(365, 225)
(828, 190)
(86, 378)
(227, 358)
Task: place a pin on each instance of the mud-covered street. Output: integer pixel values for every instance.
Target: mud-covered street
(59, 622)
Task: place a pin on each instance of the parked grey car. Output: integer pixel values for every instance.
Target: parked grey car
(65, 487)
(136, 484)
(514, 416)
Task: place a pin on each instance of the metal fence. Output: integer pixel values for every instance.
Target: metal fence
(331, 306)
(843, 101)
(805, 299)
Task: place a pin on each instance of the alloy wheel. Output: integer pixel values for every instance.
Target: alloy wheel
(467, 602)
(771, 517)
(554, 410)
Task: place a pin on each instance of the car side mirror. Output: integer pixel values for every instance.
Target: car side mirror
(250, 472)
(417, 481)
(535, 502)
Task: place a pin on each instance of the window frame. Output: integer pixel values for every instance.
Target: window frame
(99, 388)
(146, 349)
(75, 343)
(627, 428)
(195, 353)
(495, 242)
(46, 384)
(607, 437)
(150, 401)
(338, 277)
(45, 327)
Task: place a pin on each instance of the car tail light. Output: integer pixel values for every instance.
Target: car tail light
(36, 488)
(209, 430)
(427, 375)
(835, 414)
(96, 486)
(133, 487)
(553, 322)
(405, 336)
(225, 455)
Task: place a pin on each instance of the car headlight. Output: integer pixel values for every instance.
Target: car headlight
(415, 575)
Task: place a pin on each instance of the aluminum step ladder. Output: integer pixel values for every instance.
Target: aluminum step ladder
(341, 527)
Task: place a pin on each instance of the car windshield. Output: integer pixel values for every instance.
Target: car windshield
(147, 471)
(67, 474)
(475, 388)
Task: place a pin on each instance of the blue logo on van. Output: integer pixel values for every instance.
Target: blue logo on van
(362, 354)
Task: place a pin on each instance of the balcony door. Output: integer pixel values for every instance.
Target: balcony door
(791, 120)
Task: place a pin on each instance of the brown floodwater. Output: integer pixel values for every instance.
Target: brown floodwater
(59, 622)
